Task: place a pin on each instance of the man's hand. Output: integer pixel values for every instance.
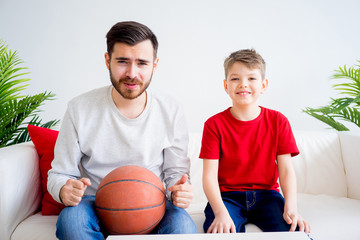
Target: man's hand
(182, 192)
(73, 191)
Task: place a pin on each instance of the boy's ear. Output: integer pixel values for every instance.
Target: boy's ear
(264, 85)
(226, 86)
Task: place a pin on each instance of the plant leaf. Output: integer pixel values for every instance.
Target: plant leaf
(344, 108)
(15, 109)
(327, 120)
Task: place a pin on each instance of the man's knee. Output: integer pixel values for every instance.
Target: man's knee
(79, 222)
(176, 221)
(184, 223)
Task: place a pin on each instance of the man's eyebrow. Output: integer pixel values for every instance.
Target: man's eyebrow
(122, 58)
(142, 60)
(127, 59)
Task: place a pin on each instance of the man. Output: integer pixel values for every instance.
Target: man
(122, 124)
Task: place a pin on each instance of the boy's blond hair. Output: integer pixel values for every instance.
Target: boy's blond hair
(249, 57)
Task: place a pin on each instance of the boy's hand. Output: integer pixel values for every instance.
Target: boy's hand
(222, 224)
(182, 192)
(295, 220)
(73, 191)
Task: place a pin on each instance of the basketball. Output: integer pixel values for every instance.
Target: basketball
(130, 200)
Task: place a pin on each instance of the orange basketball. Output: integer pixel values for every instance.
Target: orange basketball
(130, 200)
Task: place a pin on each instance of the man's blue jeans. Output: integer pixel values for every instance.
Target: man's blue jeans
(263, 208)
(81, 222)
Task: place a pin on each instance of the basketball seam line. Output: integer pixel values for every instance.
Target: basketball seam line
(131, 180)
(130, 209)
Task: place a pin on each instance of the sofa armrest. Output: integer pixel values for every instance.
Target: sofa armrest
(20, 193)
(351, 156)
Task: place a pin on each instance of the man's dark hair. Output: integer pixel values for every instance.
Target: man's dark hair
(130, 33)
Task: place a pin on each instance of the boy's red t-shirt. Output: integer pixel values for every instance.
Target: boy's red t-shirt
(247, 150)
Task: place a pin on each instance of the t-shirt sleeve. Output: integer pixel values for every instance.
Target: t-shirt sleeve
(286, 139)
(210, 144)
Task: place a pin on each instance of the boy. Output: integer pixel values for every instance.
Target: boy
(245, 149)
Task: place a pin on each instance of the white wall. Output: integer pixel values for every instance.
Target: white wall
(63, 44)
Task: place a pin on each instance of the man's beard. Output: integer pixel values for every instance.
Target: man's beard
(129, 93)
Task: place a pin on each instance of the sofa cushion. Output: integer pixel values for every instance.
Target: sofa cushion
(319, 167)
(330, 217)
(36, 227)
(196, 168)
(44, 140)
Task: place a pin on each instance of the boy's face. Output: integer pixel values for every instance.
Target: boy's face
(244, 85)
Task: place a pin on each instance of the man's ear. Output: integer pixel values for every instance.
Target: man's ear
(226, 86)
(156, 62)
(107, 60)
(264, 85)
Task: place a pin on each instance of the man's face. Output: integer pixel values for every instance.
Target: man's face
(131, 68)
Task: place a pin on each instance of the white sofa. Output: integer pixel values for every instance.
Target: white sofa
(328, 178)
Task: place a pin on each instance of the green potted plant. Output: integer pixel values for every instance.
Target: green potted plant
(16, 110)
(346, 108)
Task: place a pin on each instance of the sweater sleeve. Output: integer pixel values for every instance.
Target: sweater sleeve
(176, 161)
(67, 155)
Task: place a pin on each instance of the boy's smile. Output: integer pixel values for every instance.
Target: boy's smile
(243, 93)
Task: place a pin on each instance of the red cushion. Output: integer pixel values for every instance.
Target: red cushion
(44, 140)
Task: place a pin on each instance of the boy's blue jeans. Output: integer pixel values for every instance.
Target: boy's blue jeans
(264, 208)
(81, 222)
